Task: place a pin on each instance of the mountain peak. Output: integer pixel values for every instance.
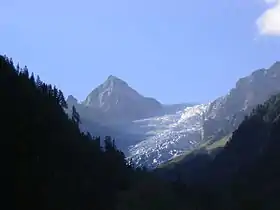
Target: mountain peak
(276, 65)
(112, 77)
(71, 100)
(114, 81)
(116, 98)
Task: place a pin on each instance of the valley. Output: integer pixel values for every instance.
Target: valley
(199, 159)
(140, 105)
(151, 133)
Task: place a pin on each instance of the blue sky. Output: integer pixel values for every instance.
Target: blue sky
(175, 51)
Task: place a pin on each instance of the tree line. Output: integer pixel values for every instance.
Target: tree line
(48, 163)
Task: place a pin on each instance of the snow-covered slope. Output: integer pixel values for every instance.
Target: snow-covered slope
(148, 132)
(151, 133)
(167, 136)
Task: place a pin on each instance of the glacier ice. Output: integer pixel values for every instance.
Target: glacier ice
(167, 136)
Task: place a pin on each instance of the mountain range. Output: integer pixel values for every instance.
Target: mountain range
(151, 133)
(48, 163)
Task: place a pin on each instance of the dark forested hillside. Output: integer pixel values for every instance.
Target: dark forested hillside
(47, 163)
(244, 174)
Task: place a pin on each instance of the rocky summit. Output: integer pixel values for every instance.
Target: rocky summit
(151, 133)
(118, 101)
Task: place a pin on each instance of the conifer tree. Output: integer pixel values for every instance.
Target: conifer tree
(75, 116)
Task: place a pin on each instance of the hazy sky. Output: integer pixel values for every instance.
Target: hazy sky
(173, 50)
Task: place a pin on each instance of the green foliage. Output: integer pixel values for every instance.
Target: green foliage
(218, 144)
(208, 147)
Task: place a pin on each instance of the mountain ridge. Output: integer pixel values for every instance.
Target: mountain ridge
(166, 131)
(248, 92)
(227, 112)
(93, 112)
(117, 99)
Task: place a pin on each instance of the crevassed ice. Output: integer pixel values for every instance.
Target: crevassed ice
(168, 136)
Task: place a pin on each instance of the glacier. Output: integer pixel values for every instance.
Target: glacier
(167, 136)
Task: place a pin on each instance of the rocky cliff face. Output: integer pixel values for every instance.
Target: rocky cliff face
(151, 133)
(117, 100)
(227, 112)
